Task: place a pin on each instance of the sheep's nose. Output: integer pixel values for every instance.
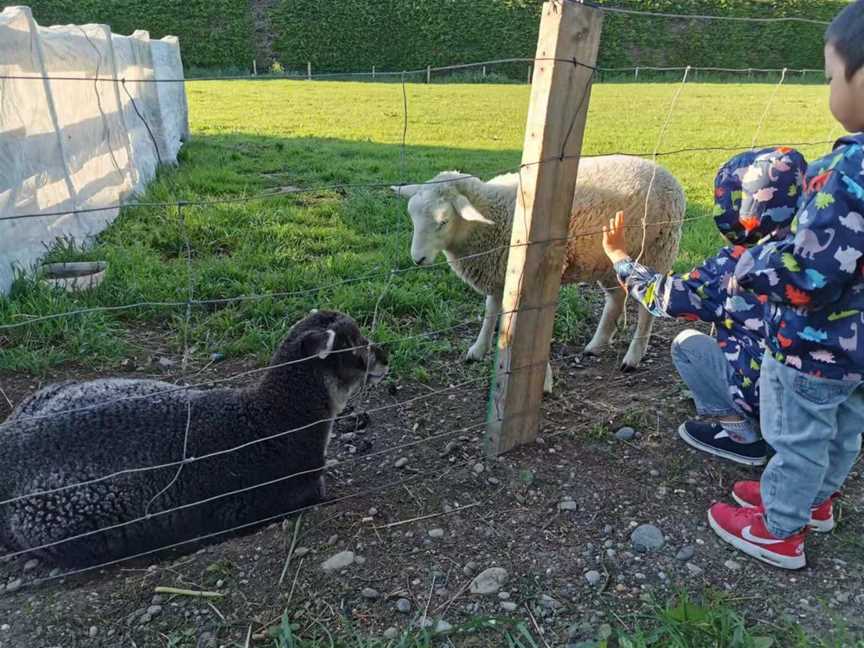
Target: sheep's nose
(420, 261)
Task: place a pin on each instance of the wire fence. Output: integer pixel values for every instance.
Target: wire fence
(185, 459)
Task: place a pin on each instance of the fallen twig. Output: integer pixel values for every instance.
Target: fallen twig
(185, 592)
(426, 517)
(291, 549)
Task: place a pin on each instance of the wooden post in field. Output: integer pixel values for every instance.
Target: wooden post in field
(484, 71)
(309, 71)
(254, 67)
(556, 123)
(373, 72)
(637, 74)
(428, 74)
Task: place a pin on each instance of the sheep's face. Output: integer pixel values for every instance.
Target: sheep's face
(434, 222)
(441, 216)
(348, 359)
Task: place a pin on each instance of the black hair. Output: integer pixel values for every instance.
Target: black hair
(846, 35)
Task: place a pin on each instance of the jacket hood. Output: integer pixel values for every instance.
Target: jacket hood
(756, 193)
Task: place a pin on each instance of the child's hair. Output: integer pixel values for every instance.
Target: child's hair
(846, 35)
(756, 193)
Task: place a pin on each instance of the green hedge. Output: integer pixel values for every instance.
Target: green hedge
(213, 33)
(344, 35)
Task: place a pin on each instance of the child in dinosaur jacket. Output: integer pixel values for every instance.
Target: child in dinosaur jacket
(812, 384)
(755, 196)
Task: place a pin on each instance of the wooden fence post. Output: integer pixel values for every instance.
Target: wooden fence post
(254, 67)
(637, 74)
(428, 74)
(373, 72)
(309, 71)
(556, 123)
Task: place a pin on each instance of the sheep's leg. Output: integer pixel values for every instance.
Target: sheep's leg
(639, 343)
(481, 347)
(612, 310)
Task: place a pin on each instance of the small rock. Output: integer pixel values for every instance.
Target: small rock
(154, 610)
(166, 363)
(145, 619)
(732, 565)
(489, 581)
(509, 606)
(207, 639)
(503, 595)
(156, 600)
(217, 357)
(593, 577)
(442, 627)
(436, 533)
(401, 462)
(333, 539)
(470, 568)
(568, 505)
(685, 553)
(842, 597)
(55, 572)
(340, 561)
(391, 633)
(647, 538)
(373, 512)
(93, 631)
(369, 593)
(403, 605)
(299, 552)
(5, 627)
(31, 564)
(13, 586)
(479, 468)
(359, 560)
(694, 569)
(625, 434)
(549, 603)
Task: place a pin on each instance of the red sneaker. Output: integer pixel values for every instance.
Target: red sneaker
(744, 529)
(747, 494)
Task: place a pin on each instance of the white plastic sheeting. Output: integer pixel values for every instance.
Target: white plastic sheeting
(68, 144)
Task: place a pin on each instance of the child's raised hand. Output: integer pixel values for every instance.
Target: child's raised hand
(614, 243)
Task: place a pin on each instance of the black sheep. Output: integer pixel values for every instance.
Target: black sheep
(77, 432)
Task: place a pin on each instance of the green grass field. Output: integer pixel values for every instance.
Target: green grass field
(254, 136)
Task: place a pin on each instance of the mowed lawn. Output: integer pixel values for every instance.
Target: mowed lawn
(250, 137)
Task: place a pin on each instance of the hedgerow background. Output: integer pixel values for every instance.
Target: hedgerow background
(398, 34)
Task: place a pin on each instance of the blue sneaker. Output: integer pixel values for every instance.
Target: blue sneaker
(713, 439)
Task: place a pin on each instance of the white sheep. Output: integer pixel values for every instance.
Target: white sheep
(462, 216)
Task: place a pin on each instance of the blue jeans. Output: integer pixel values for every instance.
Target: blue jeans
(814, 425)
(703, 366)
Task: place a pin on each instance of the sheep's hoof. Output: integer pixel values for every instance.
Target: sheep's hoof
(593, 351)
(475, 354)
(627, 367)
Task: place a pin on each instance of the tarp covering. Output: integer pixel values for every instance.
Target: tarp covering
(68, 144)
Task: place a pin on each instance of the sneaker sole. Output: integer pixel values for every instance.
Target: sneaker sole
(698, 445)
(817, 526)
(757, 552)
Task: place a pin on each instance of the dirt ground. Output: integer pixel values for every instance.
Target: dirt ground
(547, 513)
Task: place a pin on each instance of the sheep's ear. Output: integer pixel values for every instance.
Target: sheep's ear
(406, 191)
(319, 343)
(469, 212)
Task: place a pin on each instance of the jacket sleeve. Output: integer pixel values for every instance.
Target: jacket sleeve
(696, 295)
(813, 267)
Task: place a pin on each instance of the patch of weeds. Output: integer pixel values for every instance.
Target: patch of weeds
(599, 432)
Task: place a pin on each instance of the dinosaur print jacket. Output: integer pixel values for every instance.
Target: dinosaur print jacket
(813, 280)
(756, 194)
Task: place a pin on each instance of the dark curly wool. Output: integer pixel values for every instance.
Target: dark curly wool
(44, 446)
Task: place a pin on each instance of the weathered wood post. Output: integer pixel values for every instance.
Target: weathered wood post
(309, 71)
(254, 67)
(428, 74)
(566, 57)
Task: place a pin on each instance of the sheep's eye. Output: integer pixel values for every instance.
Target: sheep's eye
(442, 224)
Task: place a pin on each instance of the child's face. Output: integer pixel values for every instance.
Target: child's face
(847, 96)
